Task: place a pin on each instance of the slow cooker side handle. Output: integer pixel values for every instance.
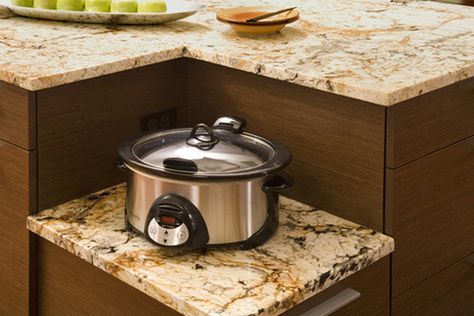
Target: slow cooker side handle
(120, 164)
(278, 182)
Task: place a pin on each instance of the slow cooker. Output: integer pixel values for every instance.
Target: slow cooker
(204, 186)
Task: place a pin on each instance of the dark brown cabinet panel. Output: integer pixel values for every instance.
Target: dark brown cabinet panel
(373, 285)
(17, 181)
(430, 208)
(450, 292)
(429, 122)
(17, 116)
(337, 142)
(68, 285)
(81, 125)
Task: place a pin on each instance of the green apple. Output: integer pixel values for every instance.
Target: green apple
(123, 6)
(22, 3)
(45, 4)
(151, 6)
(70, 5)
(97, 5)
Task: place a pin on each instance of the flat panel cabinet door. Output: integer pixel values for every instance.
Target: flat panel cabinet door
(70, 286)
(448, 293)
(431, 203)
(430, 122)
(17, 116)
(15, 169)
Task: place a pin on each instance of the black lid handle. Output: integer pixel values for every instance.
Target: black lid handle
(231, 123)
(202, 137)
(180, 164)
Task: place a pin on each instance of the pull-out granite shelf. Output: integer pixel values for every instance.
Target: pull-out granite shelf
(310, 251)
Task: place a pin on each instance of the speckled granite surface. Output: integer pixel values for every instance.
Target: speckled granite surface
(310, 251)
(375, 50)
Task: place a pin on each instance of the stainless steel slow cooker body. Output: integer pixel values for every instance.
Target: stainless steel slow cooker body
(204, 186)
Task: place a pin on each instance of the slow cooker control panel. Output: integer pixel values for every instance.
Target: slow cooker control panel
(168, 231)
(174, 221)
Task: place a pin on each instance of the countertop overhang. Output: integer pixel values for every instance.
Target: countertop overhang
(373, 50)
(310, 251)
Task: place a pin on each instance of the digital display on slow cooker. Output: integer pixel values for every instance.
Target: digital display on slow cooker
(169, 220)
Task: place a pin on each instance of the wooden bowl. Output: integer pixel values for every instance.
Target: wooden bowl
(237, 19)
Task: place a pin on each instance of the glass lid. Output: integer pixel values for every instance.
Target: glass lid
(222, 150)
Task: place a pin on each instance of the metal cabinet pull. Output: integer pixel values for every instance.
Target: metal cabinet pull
(334, 303)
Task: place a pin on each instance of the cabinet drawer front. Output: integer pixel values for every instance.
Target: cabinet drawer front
(418, 127)
(431, 205)
(68, 285)
(16, 182)
(341, 300)
(16, 127)
(450, 292)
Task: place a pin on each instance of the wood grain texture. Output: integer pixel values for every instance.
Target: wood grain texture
(70, 286)
(337, 143)
(81, 125)
(431, 206)
(461, 2)
(17, 116)
(450, 292)
(429, 122)
(372, 283)
(17, 196)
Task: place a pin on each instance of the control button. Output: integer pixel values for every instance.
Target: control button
(181, 235)
(167, 236)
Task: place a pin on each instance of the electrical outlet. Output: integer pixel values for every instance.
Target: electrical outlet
(159, 120)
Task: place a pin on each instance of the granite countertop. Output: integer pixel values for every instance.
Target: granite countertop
(310, 251)
(374, 50)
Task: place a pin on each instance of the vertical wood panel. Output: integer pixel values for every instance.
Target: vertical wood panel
(81, 125)
(337, 142)
(450, 292)
(430, 122)
(17, 196)
(71, 286)
(17, 116)
(431, 205)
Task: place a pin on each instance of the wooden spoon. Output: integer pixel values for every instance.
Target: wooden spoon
(267, 15)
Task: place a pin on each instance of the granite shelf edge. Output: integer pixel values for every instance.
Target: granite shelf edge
(101, 259)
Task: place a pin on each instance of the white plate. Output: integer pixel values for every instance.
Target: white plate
(176, 10)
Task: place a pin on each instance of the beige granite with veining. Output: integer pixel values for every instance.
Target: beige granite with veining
(310, 251)
(374, 50)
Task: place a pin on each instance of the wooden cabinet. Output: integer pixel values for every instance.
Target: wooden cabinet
(373, 285)
(17, 116)
(337, 142)
(423, 125)
(405, 169)
(17, 185)
(450, 292)
(431, 204)
(81, 125)
(68, 285)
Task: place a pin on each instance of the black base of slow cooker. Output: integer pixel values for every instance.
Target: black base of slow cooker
(257, 239)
